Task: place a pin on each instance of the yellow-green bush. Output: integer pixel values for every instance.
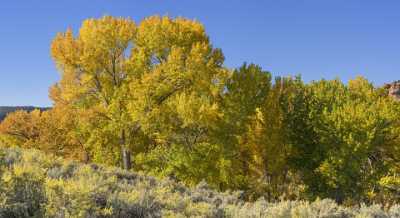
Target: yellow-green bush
(36, 185)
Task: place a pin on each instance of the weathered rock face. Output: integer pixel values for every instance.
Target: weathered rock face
(394, 90)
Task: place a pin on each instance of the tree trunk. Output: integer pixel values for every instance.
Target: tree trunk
(126, 159)
(86, 157)
(126, 154)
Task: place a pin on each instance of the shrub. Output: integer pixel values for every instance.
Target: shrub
(36, 185)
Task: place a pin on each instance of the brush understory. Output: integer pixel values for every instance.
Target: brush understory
(33, 184)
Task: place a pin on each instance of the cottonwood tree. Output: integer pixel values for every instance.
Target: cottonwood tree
(160, 79)
(355, 137)
(94, 73)
(49, 131)
(180, 80)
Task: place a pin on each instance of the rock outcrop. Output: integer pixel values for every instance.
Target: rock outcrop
(394, 89)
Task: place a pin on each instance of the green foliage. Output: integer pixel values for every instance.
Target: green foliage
(156, 97)
(356, 130)
(38, 185)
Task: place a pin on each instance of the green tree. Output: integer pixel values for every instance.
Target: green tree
(355, 130)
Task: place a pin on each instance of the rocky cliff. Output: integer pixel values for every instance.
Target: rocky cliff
(394, 89)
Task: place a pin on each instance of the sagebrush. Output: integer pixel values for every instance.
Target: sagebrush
(37, 185)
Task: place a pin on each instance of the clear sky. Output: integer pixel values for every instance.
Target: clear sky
(314, 38)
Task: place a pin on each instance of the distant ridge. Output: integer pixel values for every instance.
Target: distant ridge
(4, 110)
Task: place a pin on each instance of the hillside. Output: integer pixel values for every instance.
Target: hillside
(36, 185)
(4, 110)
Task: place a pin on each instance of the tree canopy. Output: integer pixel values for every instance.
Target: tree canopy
(155, 96)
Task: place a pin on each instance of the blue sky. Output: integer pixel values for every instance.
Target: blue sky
(314, 38)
